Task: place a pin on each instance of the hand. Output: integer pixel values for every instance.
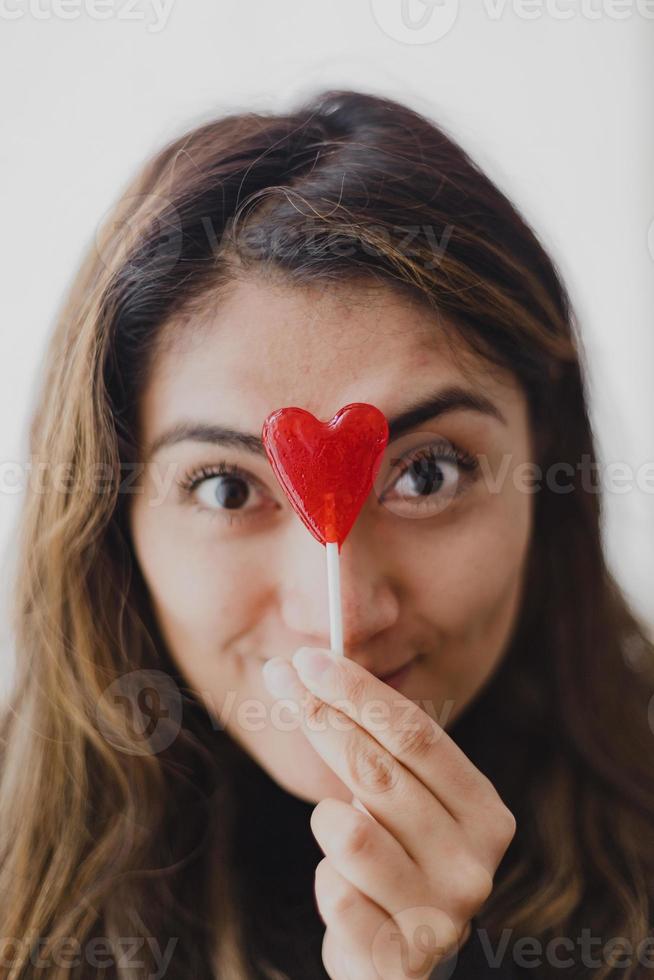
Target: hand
(411, 860)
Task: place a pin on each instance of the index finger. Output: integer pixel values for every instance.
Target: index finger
(406, 731)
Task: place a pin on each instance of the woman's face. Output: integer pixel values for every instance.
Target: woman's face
(433, 567)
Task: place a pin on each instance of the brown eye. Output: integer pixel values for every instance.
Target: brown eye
(224, 492)
(426, 477)
(425, 480)
(425, 486)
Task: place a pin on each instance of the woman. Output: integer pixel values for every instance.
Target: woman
(179, 797)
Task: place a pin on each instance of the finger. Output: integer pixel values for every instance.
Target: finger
(352, 922)
(364, 853)
(337, 966)
(414, 942)
(332, 958)
(359, 805)
(360, 943)
(416, 740)
(368, 856)
(389, 791)
(395, 798)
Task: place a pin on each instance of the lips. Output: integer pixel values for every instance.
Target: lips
(389, 673)
(397, 677)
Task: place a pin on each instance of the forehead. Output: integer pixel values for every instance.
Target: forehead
(264, 346)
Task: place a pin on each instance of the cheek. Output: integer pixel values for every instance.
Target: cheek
(467, 573)
(196, 582)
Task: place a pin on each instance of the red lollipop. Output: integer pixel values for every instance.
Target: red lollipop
(327, 470)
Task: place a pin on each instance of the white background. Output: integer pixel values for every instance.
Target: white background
(555, 99)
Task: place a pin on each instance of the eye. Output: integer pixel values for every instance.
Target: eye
(225, 491)
(430, 478)
(426, 475)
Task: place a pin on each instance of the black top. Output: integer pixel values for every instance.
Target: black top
(277, 855)
(477, 960)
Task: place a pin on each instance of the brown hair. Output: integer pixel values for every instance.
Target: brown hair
(347, 186)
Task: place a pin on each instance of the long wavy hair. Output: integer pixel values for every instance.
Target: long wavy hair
(105, 836)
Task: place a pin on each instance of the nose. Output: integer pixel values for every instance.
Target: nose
(369, 603)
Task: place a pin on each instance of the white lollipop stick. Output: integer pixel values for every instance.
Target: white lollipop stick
(334, 590)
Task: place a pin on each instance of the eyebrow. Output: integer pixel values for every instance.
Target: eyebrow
(448, 399)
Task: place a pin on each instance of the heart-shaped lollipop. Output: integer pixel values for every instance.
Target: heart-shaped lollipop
(326, 469)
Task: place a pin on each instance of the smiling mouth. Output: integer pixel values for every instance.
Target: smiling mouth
(395, 678)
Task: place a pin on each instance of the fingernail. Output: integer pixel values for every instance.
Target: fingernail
(280, 678)
(313, 666)
(359, 806)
